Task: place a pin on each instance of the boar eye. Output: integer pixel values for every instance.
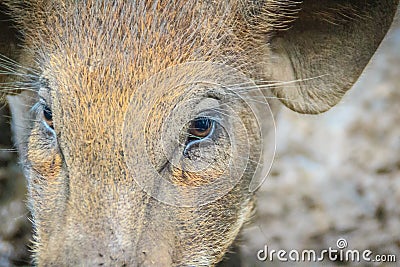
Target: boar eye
(48, 116)
(200, 128)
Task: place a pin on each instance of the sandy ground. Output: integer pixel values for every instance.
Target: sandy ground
(336, 175)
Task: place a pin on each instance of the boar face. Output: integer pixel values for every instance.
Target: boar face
(145, 127)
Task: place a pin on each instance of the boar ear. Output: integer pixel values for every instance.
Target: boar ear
(325, 49)
(9, 47)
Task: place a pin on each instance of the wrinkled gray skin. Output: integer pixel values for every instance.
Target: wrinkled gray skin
(90, 63)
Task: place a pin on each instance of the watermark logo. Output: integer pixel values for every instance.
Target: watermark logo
(339, 253)
(178, 168)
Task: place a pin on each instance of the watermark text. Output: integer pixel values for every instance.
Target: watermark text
(339, 253)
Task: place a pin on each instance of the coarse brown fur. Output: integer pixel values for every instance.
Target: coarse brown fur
(89, 61)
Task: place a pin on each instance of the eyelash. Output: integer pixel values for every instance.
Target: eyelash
(39, 109)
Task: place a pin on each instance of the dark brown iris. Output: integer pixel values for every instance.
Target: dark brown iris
(48, 116)
(200, 127)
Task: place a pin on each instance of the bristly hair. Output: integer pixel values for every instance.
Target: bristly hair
(175, 31)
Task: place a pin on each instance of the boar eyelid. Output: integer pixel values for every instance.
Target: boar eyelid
(201, 139)
(41, 108)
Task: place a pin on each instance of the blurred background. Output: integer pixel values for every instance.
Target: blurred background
(336, 175)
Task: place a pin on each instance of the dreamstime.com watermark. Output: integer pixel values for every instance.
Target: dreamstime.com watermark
(340, 253)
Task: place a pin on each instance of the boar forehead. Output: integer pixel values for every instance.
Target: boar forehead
(126, 43)
(96, 54)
